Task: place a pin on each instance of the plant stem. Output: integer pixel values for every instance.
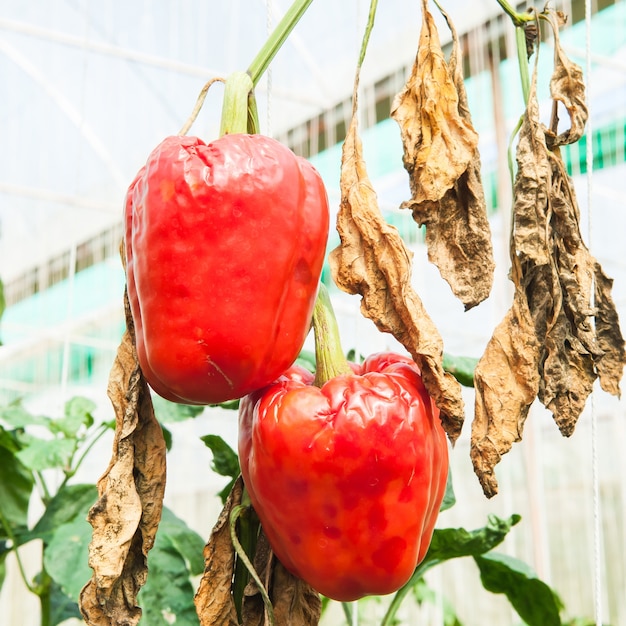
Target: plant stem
(235, 515)
(14, 547)
(368, 30)
(399, 596)
(235, 107)
(103, 428)
(329, 357)
(273, 44)
(347, 611)
(45, 593)
(45, 492)
(519, 19)
(522, 60)
(199, 102)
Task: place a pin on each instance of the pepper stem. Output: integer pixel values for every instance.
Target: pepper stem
(235, 108)
(329, 357)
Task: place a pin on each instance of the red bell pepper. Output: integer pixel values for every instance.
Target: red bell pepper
(224, 248)
(347, 478)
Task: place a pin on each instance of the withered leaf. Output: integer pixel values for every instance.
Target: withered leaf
(579, 339)
(373, 261)
(213, 599)
(566, 86)
(458, 235)
(506, 380)
(438, 142)
(294, 601)
(126, 516)
(612, 357)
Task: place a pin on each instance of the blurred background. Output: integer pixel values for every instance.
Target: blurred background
(89, 89)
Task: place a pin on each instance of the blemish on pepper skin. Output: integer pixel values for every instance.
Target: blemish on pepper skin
(390, 554)
(167, 189)
(332, 532)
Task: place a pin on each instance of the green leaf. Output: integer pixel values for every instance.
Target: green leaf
(62, 607)
(354, 356)
(535, 602)
(17, 416)
(229, 405)
(461, 367)
(225, 461)
(167, 435)
(167, 597)
(78, 413)
(65, 558)
(16, 486)
(188, 543)
(166, 411)
(9, 440)
(449, 499)
(451, 543)
(41, 454)
(306, 359)
(4, 551)
(70, 503)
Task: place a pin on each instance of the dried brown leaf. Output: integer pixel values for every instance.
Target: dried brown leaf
(438, 142)
(458, 235)
(126, 516)
(295, 602)
(567, 86)
(373, 261)
(213, 599)
(506, 380)
(612, 357)
(557, 277)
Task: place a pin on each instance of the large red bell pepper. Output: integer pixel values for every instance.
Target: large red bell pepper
(224, 248)
(347, 479)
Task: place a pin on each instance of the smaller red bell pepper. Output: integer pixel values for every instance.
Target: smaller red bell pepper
(346, 478)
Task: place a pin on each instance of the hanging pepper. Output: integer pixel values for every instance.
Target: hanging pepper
(224, 248)
(347, 470)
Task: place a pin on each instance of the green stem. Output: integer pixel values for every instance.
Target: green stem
(519, 19)
(368, 30)
(235, 107)
(404, 590)
(45, 598)
(235, 516)
(103, 428)
(347, 611)
(248, 530)
(329, 357)
(45, 494)
(10, 535)
(262, 60)
(522, 60)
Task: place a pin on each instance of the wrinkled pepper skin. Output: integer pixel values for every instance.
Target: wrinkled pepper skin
(347, 479)
(225, 244)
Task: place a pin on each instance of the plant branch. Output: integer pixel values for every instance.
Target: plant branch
(399, 596)
(519, 19)
(241, 554)
(273, 44)
(14, 547)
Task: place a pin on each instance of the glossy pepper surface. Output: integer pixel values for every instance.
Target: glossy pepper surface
(347, 479)
(224, 248)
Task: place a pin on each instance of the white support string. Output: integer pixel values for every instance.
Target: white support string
(597, 535)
